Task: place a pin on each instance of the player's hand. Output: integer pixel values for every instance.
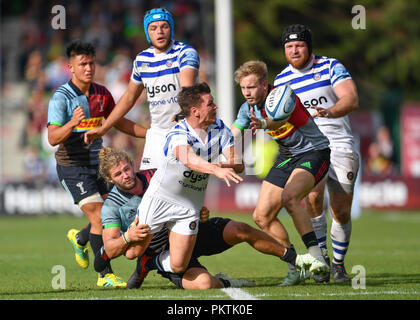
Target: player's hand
(204, 214)
(138, 233)
(227, 174)
(92, 135)
(255, 123)
(78, 116)
(321, 112)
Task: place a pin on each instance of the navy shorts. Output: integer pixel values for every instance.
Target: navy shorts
(81, 182)
(316, 162)
(209, 241)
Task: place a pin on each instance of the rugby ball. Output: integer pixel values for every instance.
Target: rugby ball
(280, 103)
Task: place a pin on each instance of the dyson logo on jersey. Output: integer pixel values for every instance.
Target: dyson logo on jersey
(153, 90)
(315, 102)
(194, 176)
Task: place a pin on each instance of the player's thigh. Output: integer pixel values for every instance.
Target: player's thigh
(180, 248)
(269, 201)
(300, 183)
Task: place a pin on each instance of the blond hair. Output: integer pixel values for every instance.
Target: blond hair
(259, 68)
(110, 158)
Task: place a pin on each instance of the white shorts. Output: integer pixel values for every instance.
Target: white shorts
(156, 213)
(343, 170)
(153, 149)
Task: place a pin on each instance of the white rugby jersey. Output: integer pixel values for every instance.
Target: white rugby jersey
(159, 73)
(315, 87)
(175, 183)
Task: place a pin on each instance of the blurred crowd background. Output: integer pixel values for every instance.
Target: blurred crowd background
(382, 58)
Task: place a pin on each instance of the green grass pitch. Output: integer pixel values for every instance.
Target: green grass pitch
(385, 244)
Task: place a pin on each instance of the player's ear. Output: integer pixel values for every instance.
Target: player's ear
(70, 66)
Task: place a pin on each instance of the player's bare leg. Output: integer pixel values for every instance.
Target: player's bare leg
(265, 214)
(180, 250)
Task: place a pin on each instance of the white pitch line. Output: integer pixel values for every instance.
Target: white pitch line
(238, 294)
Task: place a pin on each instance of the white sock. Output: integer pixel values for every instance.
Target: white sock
(320, 228)
(163, 261)
(340, 238)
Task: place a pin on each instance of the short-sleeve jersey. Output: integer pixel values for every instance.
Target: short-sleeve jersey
(99, 104)
(120, 208)
(298, 135)
(177, 184)
(314, 85)
(159, 73)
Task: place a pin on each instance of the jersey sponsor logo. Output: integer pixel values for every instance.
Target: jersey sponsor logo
(315, 101)
(89, 123)
(194, 176)
(153, 90)
(283, 132)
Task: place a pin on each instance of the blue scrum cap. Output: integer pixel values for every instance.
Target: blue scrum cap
(158, 14)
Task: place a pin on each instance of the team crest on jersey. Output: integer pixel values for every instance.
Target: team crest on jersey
(169, 63)
(317, 76)
(144, 65)
(350, 175)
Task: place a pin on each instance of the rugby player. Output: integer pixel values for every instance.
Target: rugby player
(75, 108)
(215, 235)
(302, 162)
(328, 92)
(162, 70)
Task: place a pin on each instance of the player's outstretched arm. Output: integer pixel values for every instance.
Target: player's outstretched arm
(131, 128)
(234, 160)
(188, 158)
(124, 105)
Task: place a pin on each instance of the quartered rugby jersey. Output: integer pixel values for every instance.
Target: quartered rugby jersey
(97, 106)
(314, 85)
(159, 73)
(298, 135)
(120, 208)
(178, 184)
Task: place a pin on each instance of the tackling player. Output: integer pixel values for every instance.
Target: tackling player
(215, 235)
(302, 162)
(328, 92)
(75, 108)
(162, 70)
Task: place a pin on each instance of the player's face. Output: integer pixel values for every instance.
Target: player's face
(160, 35)
(297, 53)
(83, 68)
(253, 89)
(207, 111)
(123, 176)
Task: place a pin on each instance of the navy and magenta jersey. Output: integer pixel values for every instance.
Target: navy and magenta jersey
(97, 106)
(298, 135)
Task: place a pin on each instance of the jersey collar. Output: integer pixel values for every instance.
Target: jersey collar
(77, 90)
